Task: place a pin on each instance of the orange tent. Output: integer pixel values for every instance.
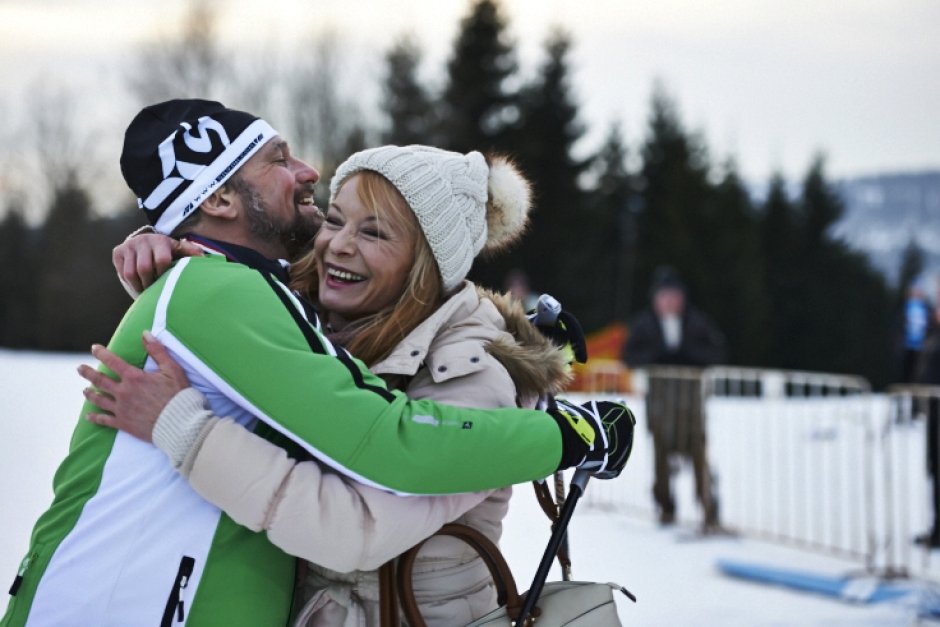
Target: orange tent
(604, 371)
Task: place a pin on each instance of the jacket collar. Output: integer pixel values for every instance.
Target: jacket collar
(278, 268)
(244, 255)
(406, 358)
(534, 363)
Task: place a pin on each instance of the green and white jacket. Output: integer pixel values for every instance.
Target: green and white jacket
(127, 541)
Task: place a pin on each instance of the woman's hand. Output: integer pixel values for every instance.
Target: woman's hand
(141, 259)
(134, 402)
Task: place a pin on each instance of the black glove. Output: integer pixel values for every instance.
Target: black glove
(596, 436)
(560, 326)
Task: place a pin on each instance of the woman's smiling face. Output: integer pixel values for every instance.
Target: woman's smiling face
(363, 260)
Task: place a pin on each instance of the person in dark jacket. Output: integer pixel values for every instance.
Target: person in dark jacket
(928, 373)
(673, 333)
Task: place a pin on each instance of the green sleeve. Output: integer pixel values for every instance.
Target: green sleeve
(236, 325)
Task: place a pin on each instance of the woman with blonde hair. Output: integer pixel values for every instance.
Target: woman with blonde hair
(387, 273)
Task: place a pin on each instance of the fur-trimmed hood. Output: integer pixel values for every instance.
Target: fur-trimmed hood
(472, 325)
(534, 363)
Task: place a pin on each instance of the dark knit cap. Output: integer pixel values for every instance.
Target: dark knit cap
(177, 153)
(666, 277)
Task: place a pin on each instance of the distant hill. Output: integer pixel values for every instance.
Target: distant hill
(884, 212)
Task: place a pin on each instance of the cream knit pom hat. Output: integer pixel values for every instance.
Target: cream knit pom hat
(462, 204)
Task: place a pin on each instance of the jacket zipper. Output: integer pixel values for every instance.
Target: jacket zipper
(174, 604)
(18, 580)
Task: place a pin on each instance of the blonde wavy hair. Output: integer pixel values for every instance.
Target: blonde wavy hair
(373, 337)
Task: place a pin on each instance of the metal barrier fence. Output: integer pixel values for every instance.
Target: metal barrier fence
(812, 460)
(903, 440)
(792, 450)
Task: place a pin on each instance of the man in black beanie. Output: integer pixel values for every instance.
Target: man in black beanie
(203, 148)
(126, 540)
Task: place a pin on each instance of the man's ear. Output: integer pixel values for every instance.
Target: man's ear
(223, 204)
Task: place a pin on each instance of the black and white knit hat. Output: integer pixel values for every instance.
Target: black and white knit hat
(463, 205)
(177, 153)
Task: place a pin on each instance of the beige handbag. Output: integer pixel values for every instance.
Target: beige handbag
(570, 603)
(561, 603)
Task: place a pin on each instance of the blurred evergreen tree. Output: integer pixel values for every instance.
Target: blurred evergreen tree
(820, 207)
(18, 255)
(675, 191)
(856, 333)
(819, 318)
(553, 252)
(478, 108)
(62, 269)
(783, 276)
(847, 302)
(616, 205)
(406, 101)
(814, 320)
(79, 298)
(830, 311)
(731, 288)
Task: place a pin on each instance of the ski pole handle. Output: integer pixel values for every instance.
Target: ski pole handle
(547, 310)
(560, 326)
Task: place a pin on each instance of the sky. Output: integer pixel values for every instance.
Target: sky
(672, 573)
(768, 83)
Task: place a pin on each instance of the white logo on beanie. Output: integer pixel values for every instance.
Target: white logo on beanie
(201, 142)
(208, 178)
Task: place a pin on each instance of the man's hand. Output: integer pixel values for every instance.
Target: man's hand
(601, 431)
(134, 402)
(141, 259)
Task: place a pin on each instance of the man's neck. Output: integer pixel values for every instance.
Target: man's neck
(273, 250)
(242, 254)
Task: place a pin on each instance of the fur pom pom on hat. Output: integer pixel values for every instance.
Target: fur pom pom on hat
(463, 204)
(507, 211)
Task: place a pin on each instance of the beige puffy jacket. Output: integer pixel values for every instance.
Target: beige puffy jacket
(476, 350)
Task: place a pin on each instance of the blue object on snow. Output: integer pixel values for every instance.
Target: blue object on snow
(851, 589)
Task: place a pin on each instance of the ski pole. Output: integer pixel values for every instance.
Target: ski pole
(564, 556)
(575, 490)
(546, 317)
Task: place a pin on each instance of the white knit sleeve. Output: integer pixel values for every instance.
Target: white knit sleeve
(181, 426)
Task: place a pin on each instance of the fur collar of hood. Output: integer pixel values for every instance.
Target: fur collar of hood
(499, 323)
(535, 364)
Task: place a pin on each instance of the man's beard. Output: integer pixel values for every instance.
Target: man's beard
(299, 238)
(296, 235)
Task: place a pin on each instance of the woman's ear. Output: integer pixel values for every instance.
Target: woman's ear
(223, 204)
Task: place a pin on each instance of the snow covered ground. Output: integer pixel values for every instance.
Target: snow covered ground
(672, 572)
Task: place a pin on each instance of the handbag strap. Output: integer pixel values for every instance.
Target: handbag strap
(392, 591)
(544, 496)
(507, 594)
(388, 596)
(552, 507)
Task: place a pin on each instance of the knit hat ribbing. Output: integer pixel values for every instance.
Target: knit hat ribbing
(462, 204)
